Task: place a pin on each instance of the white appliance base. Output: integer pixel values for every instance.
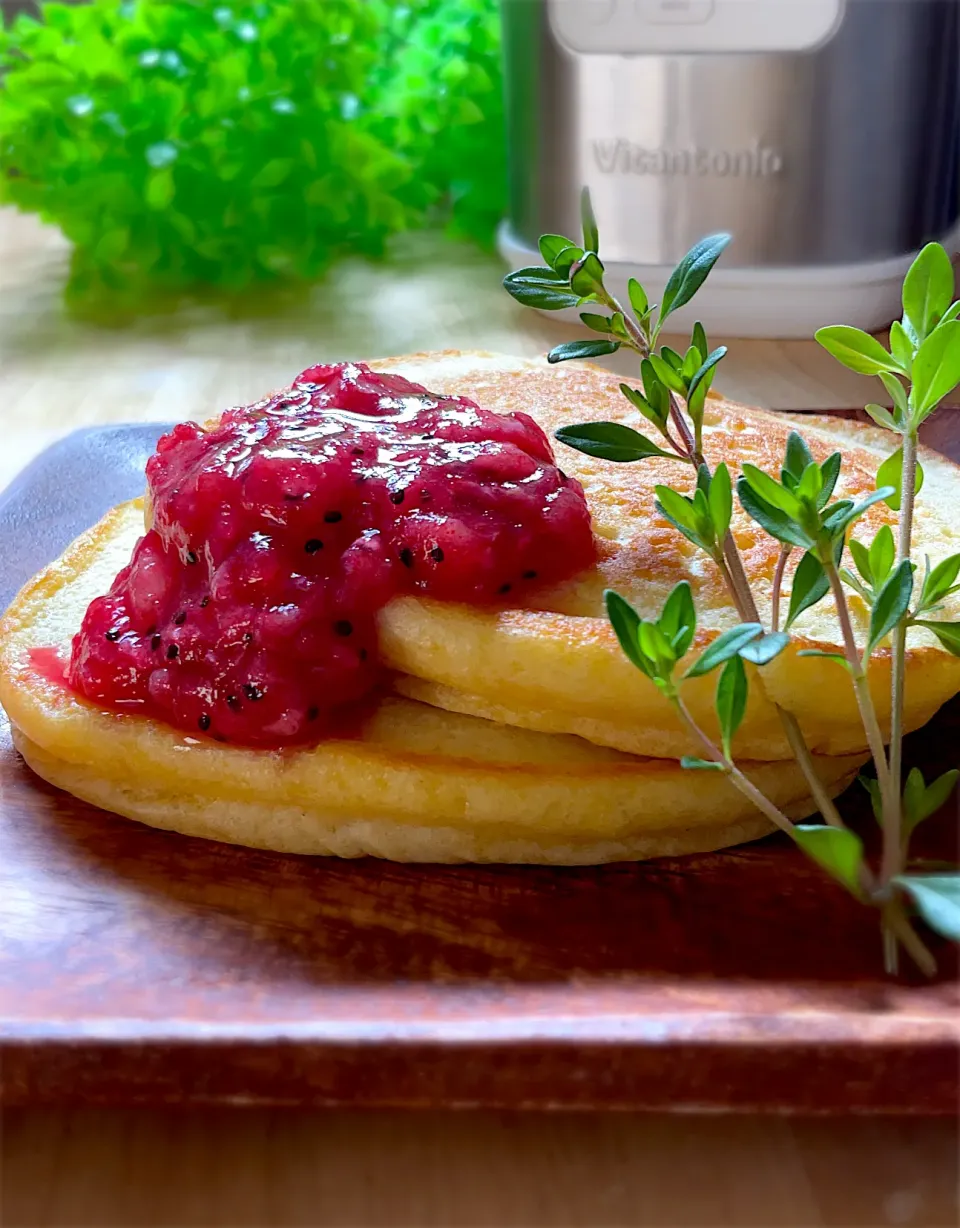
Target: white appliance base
(763, 302)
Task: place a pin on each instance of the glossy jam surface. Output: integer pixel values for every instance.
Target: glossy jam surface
(247, 612)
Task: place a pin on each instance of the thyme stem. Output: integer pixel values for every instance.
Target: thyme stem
(897, 928)
(735, 577)
(740, 782)
(892, 842)
(785, 552)
(868, 713)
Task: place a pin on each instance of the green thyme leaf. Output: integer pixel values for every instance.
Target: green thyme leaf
(703, 371)
(836, 657)
(599, 324)
(940, 582)
(650, 411)
(810, 585)
(682, 513)
(765, 649)
(928, 289)
(882, 417)
(610, 441)
(890, 473)
(856, 349)
(829, 472)
(872, 786)
(898, 394)
(731, 700)
(690, 274)
(655, 645)
(678, 620)
(540, 288)
(771, 491)
(626, 624)
(551, 246)
(937, 899)
(638, 298)
(698, 338)
(920, 801)
(657, 394)
(591, 236)
(667, 375)
(724, 647)
(567, 259)
(691, 363)
(851, 581)
(692, 764)
(720, 499)
(891, 604)
(586, 277)
(846, 512)
(882, 554)
(901, 346)
(810, 485)
(837, 849)
(936, 369)
(775, 522)
(798, 457)
(947, 633)
(581, 350)
(861, 559)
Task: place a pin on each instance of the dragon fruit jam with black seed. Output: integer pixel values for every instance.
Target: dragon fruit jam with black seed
(248, 611)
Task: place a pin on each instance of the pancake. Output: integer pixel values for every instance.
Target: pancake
(556, 666)
(416, 784)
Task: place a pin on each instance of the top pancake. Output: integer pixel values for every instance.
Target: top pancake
(556, 665)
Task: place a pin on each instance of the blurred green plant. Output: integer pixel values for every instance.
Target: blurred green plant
(180, 145)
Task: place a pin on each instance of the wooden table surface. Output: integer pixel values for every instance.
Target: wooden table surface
(258, 1167)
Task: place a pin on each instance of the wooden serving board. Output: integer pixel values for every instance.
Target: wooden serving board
(142, 967)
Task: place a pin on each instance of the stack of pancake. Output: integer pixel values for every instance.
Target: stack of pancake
(516, 735)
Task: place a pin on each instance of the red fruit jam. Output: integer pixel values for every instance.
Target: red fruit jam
(248, 610)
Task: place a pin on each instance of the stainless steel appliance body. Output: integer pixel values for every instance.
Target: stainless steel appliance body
(823, 134)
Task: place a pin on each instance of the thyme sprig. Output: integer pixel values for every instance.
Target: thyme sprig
(795, 507)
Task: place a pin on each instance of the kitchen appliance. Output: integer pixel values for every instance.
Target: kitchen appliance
(822, 134)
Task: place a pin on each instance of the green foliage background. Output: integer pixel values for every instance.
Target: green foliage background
(180, 144)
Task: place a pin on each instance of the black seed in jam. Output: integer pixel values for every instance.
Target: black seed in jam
(233, 702)
(313, 545)
(252, 692)
(112, 636)
(343, 627)
(312, 714)
(396, 496)
(155, 643)
(173, 652)
(191, 557)
(425, 496)
(180, 619)
(333, 517)
(204, 603)
(293, 498)
(530, 575)
(357, 451)
(504, 588)
(248, 637)
(406, 557)
(437, 554)
(204, 722)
